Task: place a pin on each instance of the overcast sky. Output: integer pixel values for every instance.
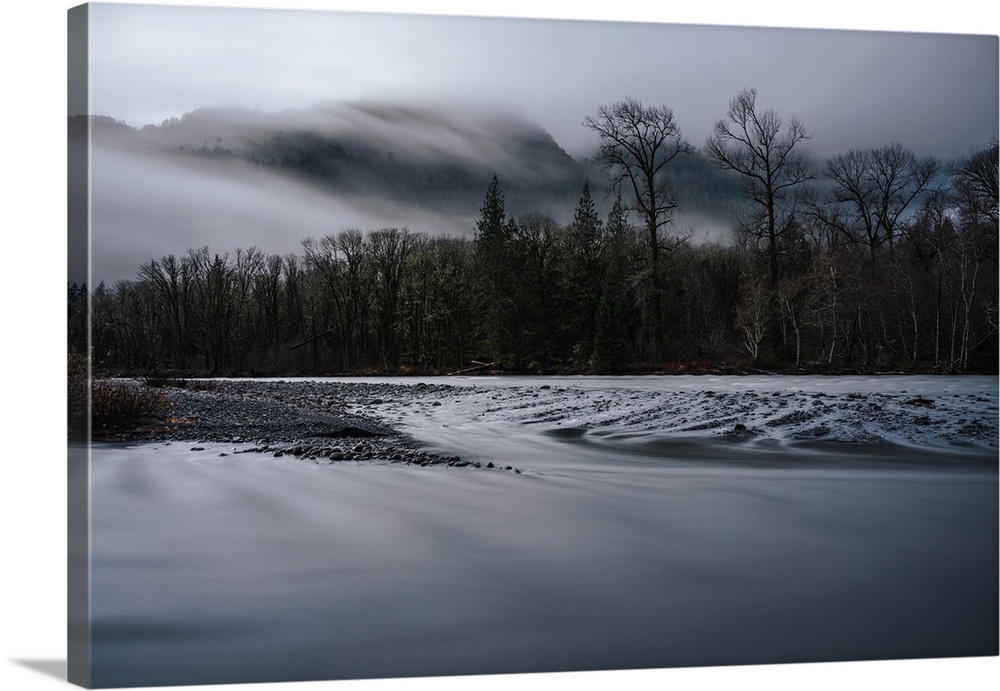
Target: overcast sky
(936, 93)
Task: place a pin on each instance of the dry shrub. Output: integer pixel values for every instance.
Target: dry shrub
(116, 403)
(76, 396)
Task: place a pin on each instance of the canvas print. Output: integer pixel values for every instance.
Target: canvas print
(417, 346)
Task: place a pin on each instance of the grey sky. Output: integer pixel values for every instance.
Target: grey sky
(936, 93)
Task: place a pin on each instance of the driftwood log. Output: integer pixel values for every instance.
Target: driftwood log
(476, 367)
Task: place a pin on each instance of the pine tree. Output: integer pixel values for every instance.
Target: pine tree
(584, 273)
(493, 283)
(610, 349)
(491, 226)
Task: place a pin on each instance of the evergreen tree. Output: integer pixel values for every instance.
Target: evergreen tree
(610, 349)
(494, 283)
(538, 310)
(584, 273)
(492, 222)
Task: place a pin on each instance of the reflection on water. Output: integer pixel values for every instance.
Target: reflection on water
(214, 569)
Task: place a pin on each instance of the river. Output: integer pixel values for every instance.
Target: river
(626, 540)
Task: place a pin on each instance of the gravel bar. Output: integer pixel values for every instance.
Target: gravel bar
(305, 419)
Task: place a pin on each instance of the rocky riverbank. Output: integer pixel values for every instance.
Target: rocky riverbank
(371, 421)
(305, 419)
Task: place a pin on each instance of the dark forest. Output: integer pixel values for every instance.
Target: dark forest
(874, 261)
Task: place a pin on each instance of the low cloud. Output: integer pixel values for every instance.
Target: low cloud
(150, 204)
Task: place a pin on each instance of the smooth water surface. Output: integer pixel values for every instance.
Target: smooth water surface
(211, 568)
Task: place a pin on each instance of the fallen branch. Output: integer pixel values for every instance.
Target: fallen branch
(477, 366)
(310, 340)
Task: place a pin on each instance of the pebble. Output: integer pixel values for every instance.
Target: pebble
(294, 418)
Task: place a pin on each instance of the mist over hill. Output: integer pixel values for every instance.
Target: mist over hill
(232, 176)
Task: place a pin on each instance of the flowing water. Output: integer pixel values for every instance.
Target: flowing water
(628, 538)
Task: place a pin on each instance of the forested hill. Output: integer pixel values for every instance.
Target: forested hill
(416, 156)
(862, 272)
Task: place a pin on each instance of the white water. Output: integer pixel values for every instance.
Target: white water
(616, 546)
(675, 419)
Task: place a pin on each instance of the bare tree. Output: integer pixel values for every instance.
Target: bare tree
(975, 180)
(247, 266)
(342, 262)
(873, 189)
(637, 144)
(753, 144)
(389, 249)
(752, 315)
(168, 278)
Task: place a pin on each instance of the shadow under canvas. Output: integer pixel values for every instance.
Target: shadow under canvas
(50, 668)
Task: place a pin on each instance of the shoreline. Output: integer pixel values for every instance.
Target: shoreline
(307, 420)
(668, 370)
(424, 422)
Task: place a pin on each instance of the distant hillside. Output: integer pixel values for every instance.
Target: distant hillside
(413, 156)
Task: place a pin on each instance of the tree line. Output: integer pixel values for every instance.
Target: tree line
(877, 260)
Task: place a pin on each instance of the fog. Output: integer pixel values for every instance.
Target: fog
(161, 190)
(151, 196)
(936, 93)
(425, 131)
(489, 93)
(147, 205)
(468, 133)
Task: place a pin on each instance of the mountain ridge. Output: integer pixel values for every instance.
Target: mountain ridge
(412, 154)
